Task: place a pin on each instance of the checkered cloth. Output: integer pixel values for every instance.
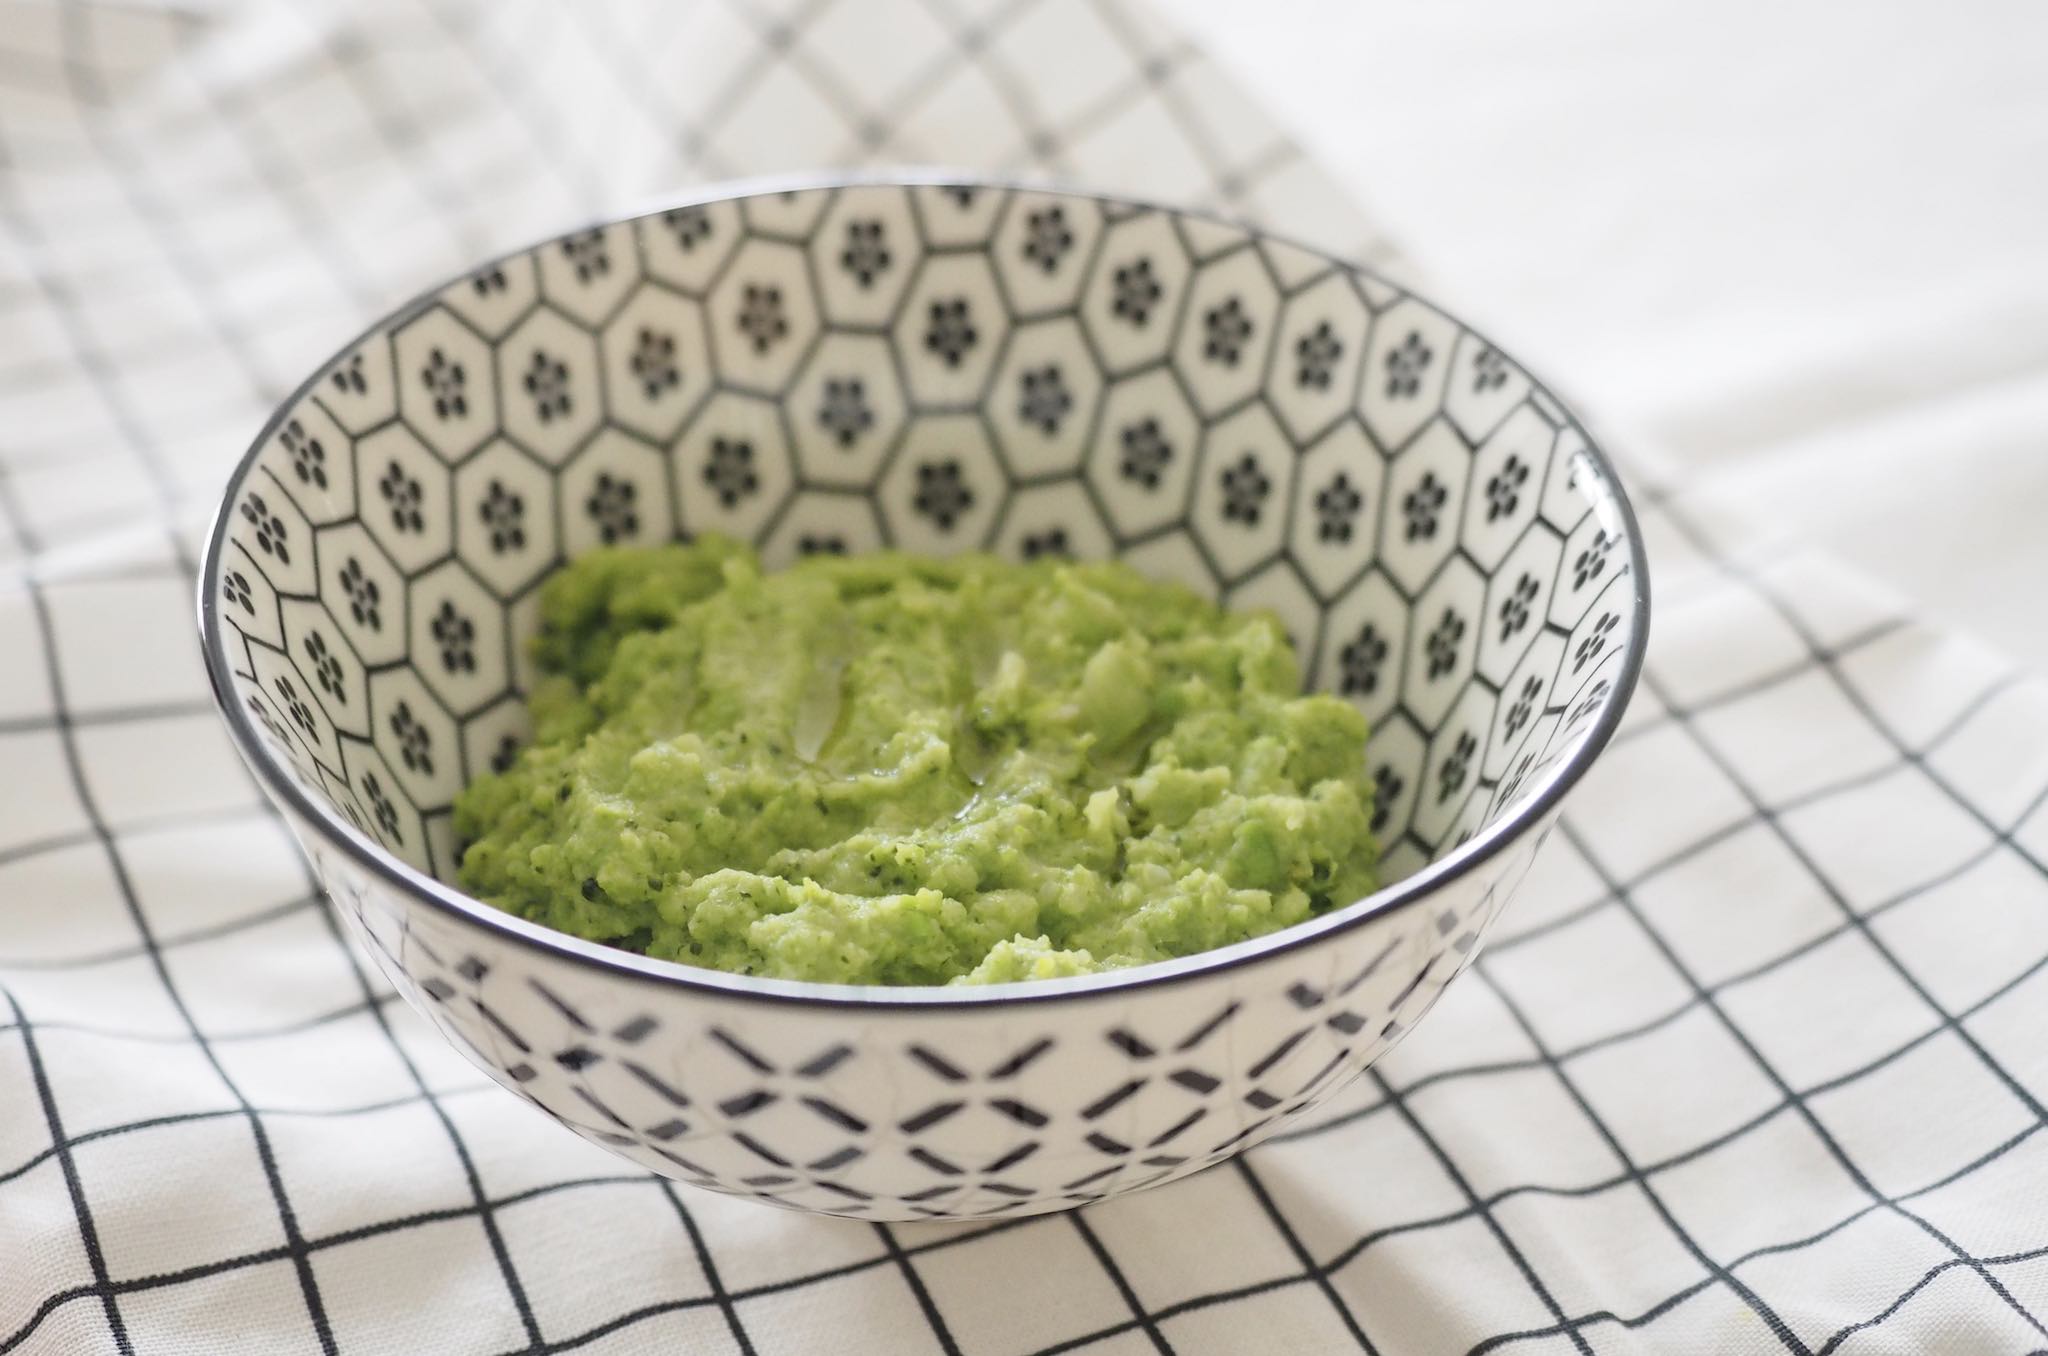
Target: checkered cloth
(1754, 1064)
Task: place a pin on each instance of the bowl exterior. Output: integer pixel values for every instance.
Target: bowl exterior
(934, 367)
(888, 1112)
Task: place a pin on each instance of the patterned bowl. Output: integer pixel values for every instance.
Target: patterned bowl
(936, 366)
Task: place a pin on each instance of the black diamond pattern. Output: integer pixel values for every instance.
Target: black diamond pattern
(750, 1109)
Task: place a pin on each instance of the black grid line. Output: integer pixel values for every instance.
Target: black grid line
(1750, 687)
(183, 1117)
(501, 1253)
(413, 147)
(88, 1232)
(384, 1227)
(1798, 1105)
(919, 1291)
(1591, 1319)
(1485, 1215)
(260, 148)
(87, 354)
(81, 788)
(1320, 1276)
(691, 147)
(374, 1002)
(1721, 1274)
(139, 189)
(1146, 1322)
(214, 933)
(147, 824)
(543, 124)
(705, 1260)
(405, 144)
(1860, 921)
(383, 999)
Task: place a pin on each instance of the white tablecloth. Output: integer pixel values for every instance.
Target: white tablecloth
(1799, 251)
(1753, 1064)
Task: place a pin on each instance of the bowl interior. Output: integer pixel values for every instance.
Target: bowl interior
(937, 368)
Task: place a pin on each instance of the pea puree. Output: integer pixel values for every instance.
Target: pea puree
(894, 770)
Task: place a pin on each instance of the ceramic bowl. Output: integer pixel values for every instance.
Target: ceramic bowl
(935, 366)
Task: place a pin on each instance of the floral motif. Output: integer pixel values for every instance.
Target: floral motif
(611, 505)
(1146, 452)
(1047, 237)
(1227, 329)
(1245, 487)
(309, 458)
(348, 378)
(259, 709)
(866, 255)
(447, 384)
(404, 496)
(844, 411)
(1489, 370)
(1316, 354)
(547, 381)
(1513, 784)
(1051, 542)
(1043, 398)
(1524, 706)
(1406, 362)
(415, 741)
(653, 362)
(455, 636)
(1422, 505)
(691, 226)
(820, 544)
(950, 332)
(942, 495)
(506, 754)
(1337, 507)
(1358, 663)
(588, 254)
(504, 515)
(1589, 563)
(235, 588)
(381, 806)
(1387, 786)
(1514, 609)
(295, 706)
(1594, 696)
(491, 278)
(1450, 778)
(1134, 291)
(730, 470)
(1504, 488)
(1442, 644)
(761, 317)
(1594, 642)
(326, 667)
(271, 537)
(365, 598)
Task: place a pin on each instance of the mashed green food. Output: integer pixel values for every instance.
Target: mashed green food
(894, 770)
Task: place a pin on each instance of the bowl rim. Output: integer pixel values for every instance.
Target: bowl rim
(1534, 809)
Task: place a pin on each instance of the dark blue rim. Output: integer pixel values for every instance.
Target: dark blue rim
(1534, 810)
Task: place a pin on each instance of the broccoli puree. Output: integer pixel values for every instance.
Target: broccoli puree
(894, 770)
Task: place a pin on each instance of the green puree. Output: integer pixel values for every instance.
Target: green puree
(896, 770)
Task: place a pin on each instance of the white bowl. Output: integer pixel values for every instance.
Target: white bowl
(936, 366)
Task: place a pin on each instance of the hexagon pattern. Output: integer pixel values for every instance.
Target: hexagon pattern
(940, 369)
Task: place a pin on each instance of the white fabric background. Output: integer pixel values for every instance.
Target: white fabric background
(1754, 1063)
(1799, 249)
